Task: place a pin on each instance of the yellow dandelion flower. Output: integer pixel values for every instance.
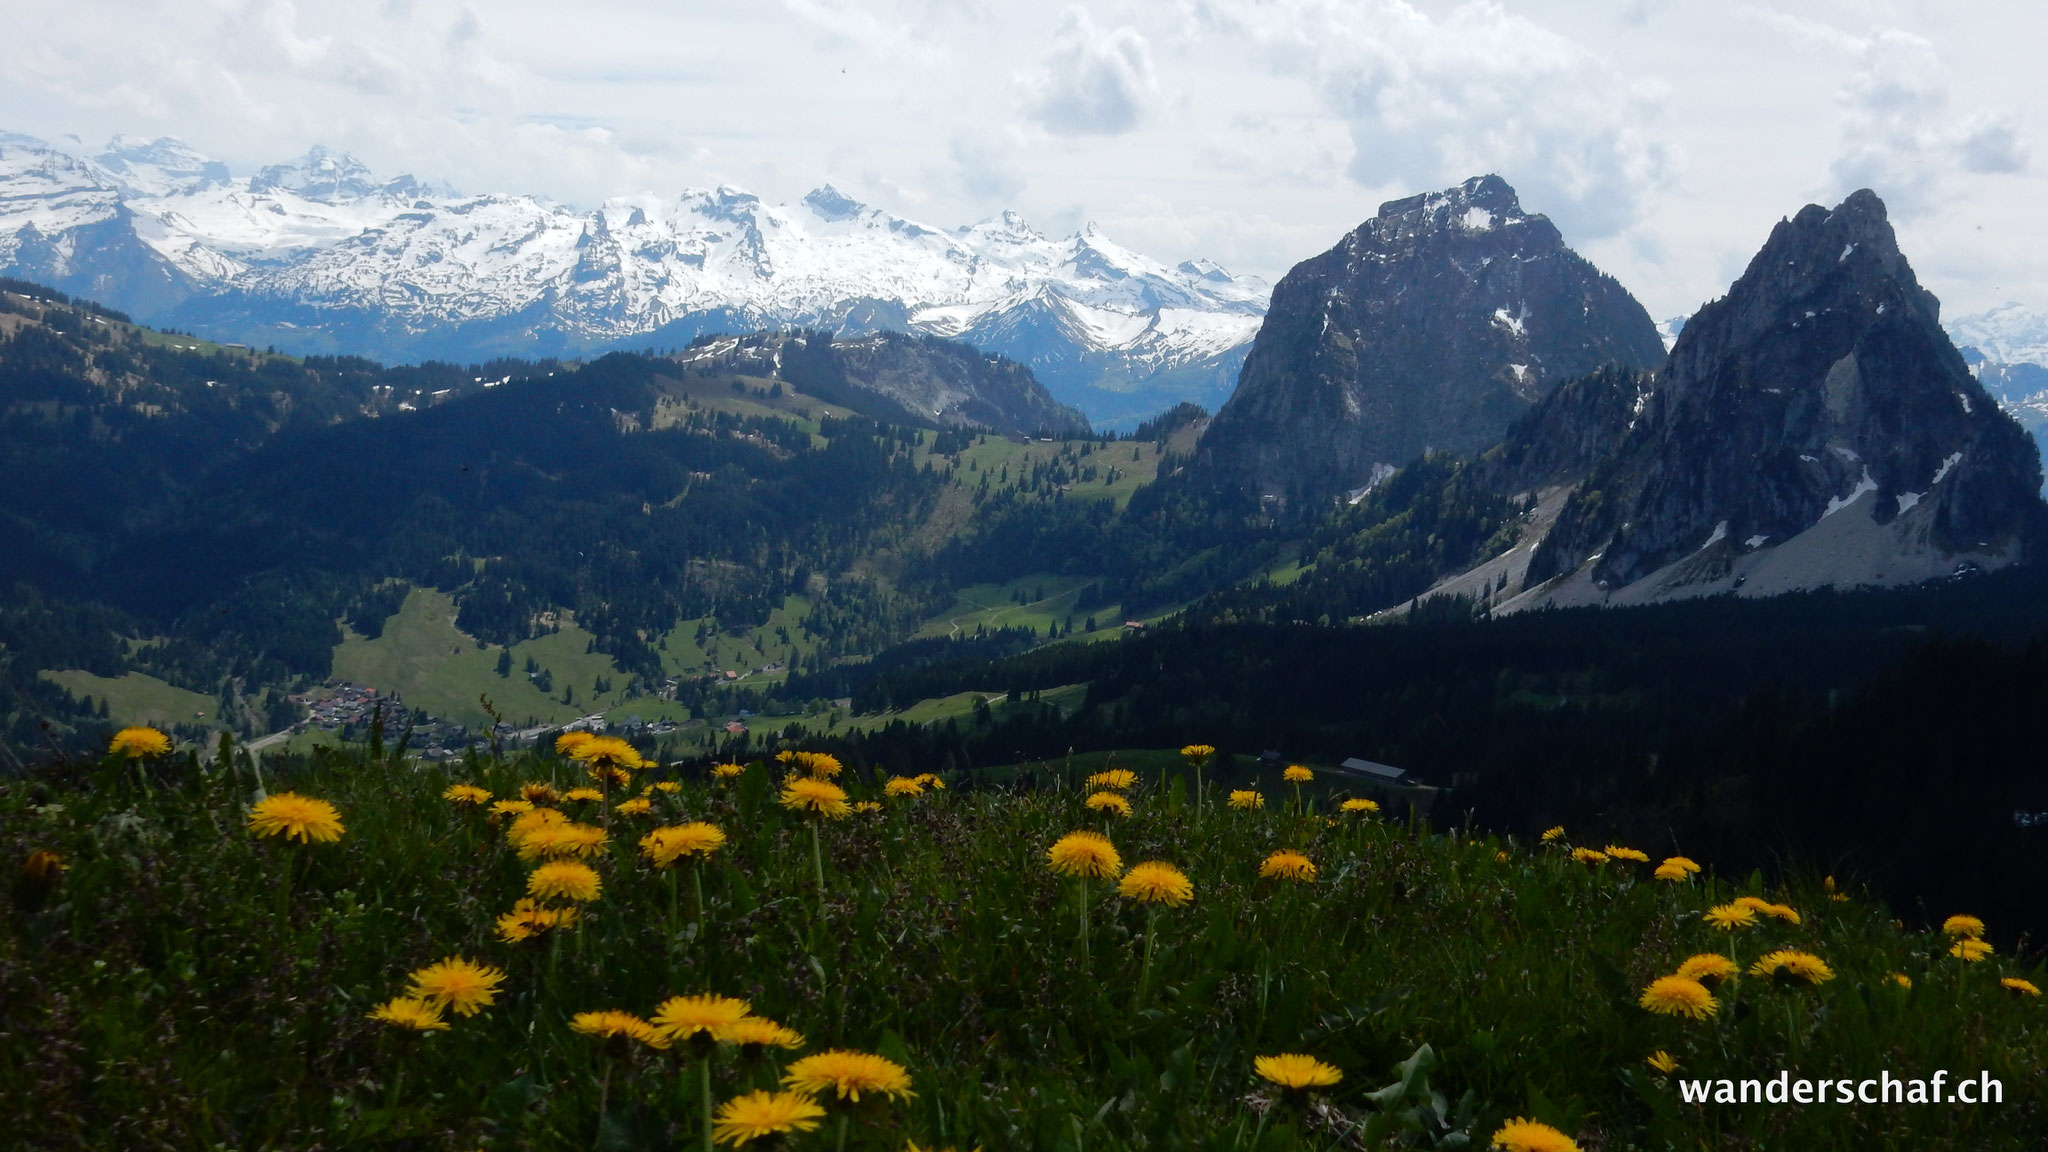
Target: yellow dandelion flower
(685, 1017)
(1729, 917)
(665, 846)
(532, 820)
(785, 756)
(849, 1074)
(930, 780)
(567, 743)
(1589, 856)
(602, 754)
(1968, 926)
(1157, 882)
(723, 772)
(1118, 778)
(564, 880)
(1197, 754)
(2019, 987)
(467, 794)
(538, 791)
(759, 1032)
(1679, 996)
(1662, 1061)
(762, 1113)
(295, 817)
(1970, 949)
(1616, 852)
(1085, 854)
(1111, 802)
(1519, 1135)
(821, 765)
(1764, 907)
(561, 838)
(1902, 980)
(1246, 798)
(583, 795)
(411, 1014)
(817, 797)
(614, 1025)
(1556, 833)
(1675, 870)
(1500, 856)
(138, 742)
(1296, 774)
(1287, 864)
(637, 806)
(511, 807)
(530, 919)
(1785, 966)
(866, 807)
(1296, 1072)
(42, 869)
(1709, 968)
(669, 787)
(1359, 805)
(902, 786)
(456, 984)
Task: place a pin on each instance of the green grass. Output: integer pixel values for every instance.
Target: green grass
(743, 652)
(186, 985)
(992, 455)
(959, 707)
(433, 665)
(1048, 599)
(136, 698)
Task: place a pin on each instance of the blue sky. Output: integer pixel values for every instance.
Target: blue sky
(1664, 136)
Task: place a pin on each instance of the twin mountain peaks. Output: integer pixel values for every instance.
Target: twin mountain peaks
(1814, 427)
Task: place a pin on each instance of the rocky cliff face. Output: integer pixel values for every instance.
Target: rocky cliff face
(1432, 326)
(1814, 427)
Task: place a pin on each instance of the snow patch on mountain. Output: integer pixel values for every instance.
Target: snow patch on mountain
(324, 236)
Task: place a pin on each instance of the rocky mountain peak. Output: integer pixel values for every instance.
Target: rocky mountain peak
(1813, 427)
(165, 166)
(1431, 326)
(829, 203)
(1477, 205)
(329, 177)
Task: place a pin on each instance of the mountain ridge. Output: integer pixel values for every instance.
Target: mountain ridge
(321, 255)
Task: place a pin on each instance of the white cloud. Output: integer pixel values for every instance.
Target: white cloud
(1430, 102)
(1900, 137)
(985, 168)
(1094, 80)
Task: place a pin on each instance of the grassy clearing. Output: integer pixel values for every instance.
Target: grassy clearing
(433, 665)
(186, 984)
(138, 698)
(682, 654)
(959, 707)
(1047, 599)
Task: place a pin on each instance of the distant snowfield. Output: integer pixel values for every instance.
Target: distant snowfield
(323, 233)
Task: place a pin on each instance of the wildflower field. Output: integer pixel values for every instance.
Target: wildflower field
(574, 948)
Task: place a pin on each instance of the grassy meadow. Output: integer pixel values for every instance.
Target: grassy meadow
(186, 983)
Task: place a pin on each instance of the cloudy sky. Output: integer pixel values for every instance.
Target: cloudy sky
(1664, 136)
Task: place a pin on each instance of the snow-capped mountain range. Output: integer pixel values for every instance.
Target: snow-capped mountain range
(320, 254)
